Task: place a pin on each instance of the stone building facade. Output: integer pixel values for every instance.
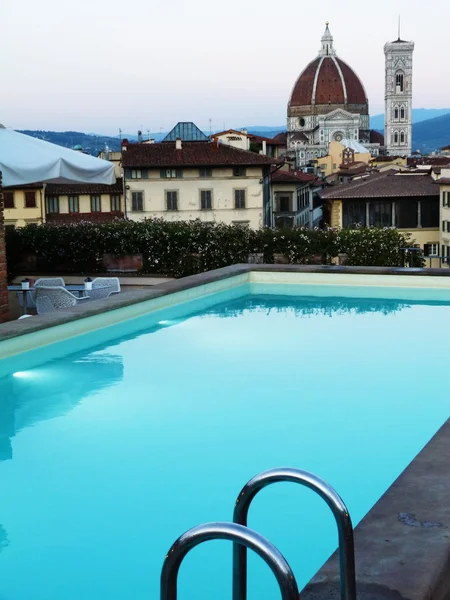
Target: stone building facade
(398, 97)
(3, 275)
(328, 103)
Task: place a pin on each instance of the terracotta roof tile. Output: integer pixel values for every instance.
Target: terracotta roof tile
(64, 189)
(291, 177)
(385, 185)
(192, 154)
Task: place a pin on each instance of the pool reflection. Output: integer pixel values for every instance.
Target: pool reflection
(52, 390)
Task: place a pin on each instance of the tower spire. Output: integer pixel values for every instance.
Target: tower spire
(327, 43)
(399, 23)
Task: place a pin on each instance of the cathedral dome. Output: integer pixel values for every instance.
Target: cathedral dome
(327, 83)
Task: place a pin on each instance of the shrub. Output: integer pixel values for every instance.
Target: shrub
(185, 247)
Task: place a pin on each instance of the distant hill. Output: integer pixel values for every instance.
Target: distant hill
(91, 143)
(431, 134)
(418, 114)
(431, 131)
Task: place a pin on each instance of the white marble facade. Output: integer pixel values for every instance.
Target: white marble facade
(398, 97)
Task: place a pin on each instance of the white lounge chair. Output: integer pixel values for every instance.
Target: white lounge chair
(104, 287)
(49, 299)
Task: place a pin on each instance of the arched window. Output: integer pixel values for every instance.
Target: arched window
(396, 137)
(399, 82)
(396, 113)
(402, 113)
(402, 138)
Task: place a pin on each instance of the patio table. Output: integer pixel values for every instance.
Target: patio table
(75, 287)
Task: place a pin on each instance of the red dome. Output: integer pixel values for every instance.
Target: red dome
(328, 80)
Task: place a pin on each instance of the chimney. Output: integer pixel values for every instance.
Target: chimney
(264, 147)
(244, 131)
(139, 136)
(178, 144)
(124, 144)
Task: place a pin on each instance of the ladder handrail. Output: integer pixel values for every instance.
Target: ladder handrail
(333, 500)
(238, 534)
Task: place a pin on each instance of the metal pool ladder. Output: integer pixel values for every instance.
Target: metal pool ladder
(244, 537)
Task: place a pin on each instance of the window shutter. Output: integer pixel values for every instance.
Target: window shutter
(426, 250)
(179, 173)
(163, 174)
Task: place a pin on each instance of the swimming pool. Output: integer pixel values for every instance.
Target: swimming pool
(115, 442)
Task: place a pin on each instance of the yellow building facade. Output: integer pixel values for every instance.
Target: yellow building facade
(24, 205)
(210, 195)
(444, 202)
(331, 163)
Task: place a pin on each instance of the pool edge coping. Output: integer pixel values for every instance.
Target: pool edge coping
(17, 328)
(402, 545)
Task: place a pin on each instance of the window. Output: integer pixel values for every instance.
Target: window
(396, 138)
(115, 203)
(239, 171)
(354, 213)
(284, 204)
(30, 199)
(239, 199)
(52, 205)
(137, 201)
(74, 204)
(380, 214)
(96, 204)
(172, 200)
(205, 173)
(205, 199)
(396, 113)
(171, 173)
(429, 209)
(402, 138)
(399, 82)
(445, 199)
(402, 113)
(431, 249)
(446, 226)
(8, 199)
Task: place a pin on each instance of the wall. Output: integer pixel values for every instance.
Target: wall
(3, 277)
(84, 202)
(444, 216)
(330, 164)
(19, 215)
(237, 140)
(222, 184)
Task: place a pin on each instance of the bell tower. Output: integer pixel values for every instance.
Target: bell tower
(398, 97)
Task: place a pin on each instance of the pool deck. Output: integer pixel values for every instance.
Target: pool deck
(403, 543)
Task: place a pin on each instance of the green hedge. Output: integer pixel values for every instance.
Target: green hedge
(185, 247)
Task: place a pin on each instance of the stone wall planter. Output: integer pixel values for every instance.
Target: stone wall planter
(123, 264)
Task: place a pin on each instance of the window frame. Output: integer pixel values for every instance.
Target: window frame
(26, 202)
(239, 201)
(93, 198)
(239, 171)
(139, 202)
(170, 201)
(205, 173)
(50, 200)
(210, 192)
(10, 193)
(112, 201)
(73, 197)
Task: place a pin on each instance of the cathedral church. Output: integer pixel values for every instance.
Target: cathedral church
(329, 103)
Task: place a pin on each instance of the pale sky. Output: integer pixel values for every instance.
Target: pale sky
(98, 65)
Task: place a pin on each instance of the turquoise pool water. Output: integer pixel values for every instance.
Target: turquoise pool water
(114, 443)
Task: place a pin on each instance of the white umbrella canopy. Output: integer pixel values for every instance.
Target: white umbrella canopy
(25, 159)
